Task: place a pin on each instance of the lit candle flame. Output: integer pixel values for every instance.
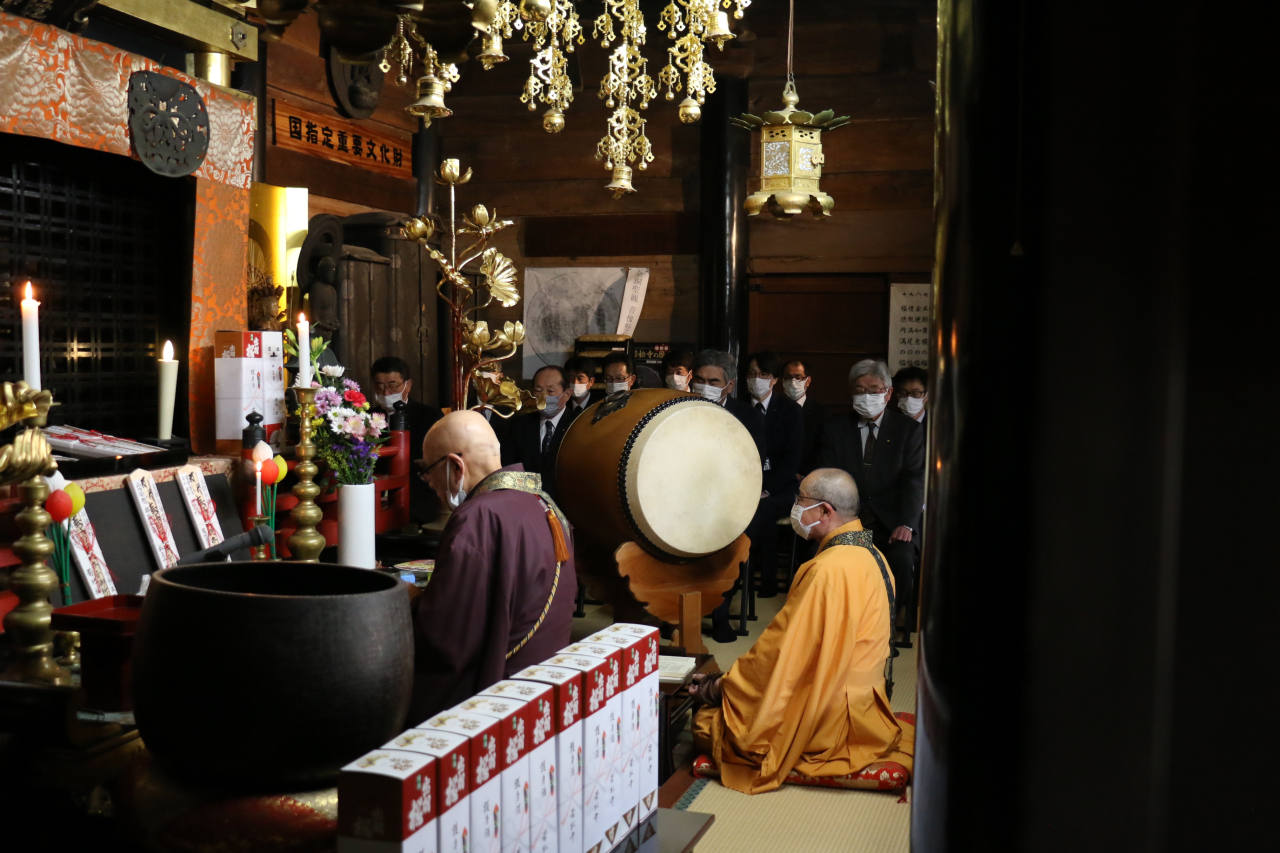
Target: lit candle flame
(302, 317)
(168, 351)
(29, 296)
(258, 465)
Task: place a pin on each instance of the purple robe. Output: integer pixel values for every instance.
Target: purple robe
(492, 578)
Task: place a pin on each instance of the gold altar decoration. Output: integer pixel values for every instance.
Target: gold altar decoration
(477, 349)
(700, 21)
(306, 543)
(552, 26)
(790, 158)
(27, 460)
(628, 78)
(437, 79)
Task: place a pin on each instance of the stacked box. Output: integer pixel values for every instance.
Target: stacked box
(517, 718)
(641, 699)
(248, 377)
(453, 811)
(486, 777)
(626, 771)
(387, 803)
(568, 707)
(602, 736)
(544, 814)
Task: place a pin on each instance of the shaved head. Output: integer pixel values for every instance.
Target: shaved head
(467, 436)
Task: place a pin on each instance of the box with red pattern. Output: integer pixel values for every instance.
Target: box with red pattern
(452, 753)
(387, 803)
(517, 721)
(486, 774)
(544, 816)
(568, 700)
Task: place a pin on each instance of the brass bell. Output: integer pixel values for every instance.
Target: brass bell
(690, 112)
(719, 31)
(491, 51)
(553, 120)
(621, 183)
(430, 102)
(536, 10)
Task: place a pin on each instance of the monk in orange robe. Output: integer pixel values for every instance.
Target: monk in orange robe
(810, 694)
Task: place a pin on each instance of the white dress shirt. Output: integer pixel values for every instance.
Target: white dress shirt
(862, 427)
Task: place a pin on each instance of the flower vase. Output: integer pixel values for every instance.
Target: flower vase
(357, 507)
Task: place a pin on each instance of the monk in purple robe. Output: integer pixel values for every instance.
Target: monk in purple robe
(502, 594)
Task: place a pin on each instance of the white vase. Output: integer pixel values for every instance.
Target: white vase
(356, 521)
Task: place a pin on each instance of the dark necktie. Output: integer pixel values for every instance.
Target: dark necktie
(760, 408)
(869, 448)
(546, 438)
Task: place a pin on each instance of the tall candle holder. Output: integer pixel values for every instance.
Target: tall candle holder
(306, 543)
(27, 625)
(260, 553)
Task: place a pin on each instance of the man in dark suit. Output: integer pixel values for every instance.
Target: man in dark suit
(784, 447)
(715, 377)
(884, 451)
(391, 384)
(584, 387)
(795, 384)
(533, 440)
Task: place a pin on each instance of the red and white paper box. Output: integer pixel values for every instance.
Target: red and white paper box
(248, 377)
(544, 815)
(486, 774)
(640, 699)
(602, 738)
(452, 753)
(517, 717)
(386, 798)
(566, 777)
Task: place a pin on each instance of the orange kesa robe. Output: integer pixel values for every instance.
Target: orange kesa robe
(810, 693)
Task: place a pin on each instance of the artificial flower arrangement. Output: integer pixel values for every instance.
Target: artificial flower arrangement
(273, 469)
(346, 434)
(65, 500)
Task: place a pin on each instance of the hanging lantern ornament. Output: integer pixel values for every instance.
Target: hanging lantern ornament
(628, 78)
(687, 69)
(552, 26)
(432, 85)
(790, 152)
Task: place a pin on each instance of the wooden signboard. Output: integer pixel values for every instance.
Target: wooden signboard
(297, 128)
(909, 325)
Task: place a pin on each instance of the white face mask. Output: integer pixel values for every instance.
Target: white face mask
(794, 387)
(869, 405)
(802, 529)
(388, 401)
(759, 388)
(553, 406)
(615, 387)
(678, 383)
(454, 501)
(580, 390)
(711, 392)
(911, 406)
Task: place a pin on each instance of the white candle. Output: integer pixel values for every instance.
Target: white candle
(168, 389)
(258, 503)
(31, 340)
(304, 352)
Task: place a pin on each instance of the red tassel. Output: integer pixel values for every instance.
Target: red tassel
(557, 536)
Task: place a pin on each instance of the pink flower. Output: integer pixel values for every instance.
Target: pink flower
(378, 421)
(354, 426)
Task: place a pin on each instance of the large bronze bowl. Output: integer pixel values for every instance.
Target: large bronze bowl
(270, 675)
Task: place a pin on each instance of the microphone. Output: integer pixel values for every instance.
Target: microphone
(260, 535)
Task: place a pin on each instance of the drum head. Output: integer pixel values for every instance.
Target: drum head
(693, 478)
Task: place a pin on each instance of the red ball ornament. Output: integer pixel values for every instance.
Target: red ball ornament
(270, 472)
(59, 505)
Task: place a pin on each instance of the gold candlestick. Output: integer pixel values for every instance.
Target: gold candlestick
(306, 543)
(261, 553)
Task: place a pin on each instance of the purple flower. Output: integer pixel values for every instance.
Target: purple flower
(327, 399)
(351, 385)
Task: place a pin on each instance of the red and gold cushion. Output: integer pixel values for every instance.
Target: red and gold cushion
(879, 775)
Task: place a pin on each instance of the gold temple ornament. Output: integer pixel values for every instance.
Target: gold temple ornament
(477, 349)
(700, 21)
(553, 27)
(306, 543)
(628, 79)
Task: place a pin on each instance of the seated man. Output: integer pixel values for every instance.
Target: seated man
(618, 372)
(677, 368)
(810, 694)
(582, 378)
(503, 591)
(533, 439)
(391, 384)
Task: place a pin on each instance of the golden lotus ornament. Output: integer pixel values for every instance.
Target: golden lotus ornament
(790, 158)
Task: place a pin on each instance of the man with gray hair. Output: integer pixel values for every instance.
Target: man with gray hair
(811, 694)
(883, 450)
(715, 377)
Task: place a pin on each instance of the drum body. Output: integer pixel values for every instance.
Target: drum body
(675, 473)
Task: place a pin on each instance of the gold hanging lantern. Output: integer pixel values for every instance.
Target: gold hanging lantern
(790, 158)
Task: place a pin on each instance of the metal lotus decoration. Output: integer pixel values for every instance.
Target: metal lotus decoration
(791, 158)
(478, 350)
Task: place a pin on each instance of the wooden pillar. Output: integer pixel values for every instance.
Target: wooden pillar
(722, 264)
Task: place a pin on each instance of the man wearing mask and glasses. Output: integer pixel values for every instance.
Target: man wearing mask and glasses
(883, 450)
(502, 594)
(795, 384)
(533, 440)
(392, 384)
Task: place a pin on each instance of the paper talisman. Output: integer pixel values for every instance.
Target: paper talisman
(200, 506)
(88, 556)
(146, 497)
